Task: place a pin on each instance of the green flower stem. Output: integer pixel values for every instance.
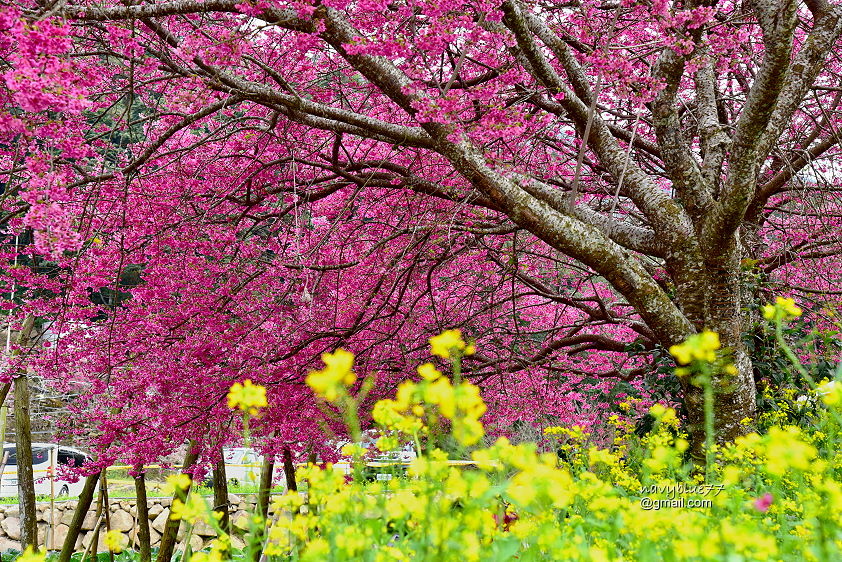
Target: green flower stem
(779, 336)
(709, 427)
(246, 433)
(457, 367)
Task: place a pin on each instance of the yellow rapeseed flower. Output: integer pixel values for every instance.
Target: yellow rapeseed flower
(468, 431)
(428, 372)
(387, 443)
(116, 541)
(441, 393)
(831, 392)
(786, 449)
(319, 548)
(177, 482)
(353, 450)
(700, 347)
(193, 510)
(32, 556)
(468, 399)
(657, 410)
(596, 455)
(783, 309)
(330, 382)
(444, 343)
(247, 397)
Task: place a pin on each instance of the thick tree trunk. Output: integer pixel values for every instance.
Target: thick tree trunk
(143, 538)
(220, 492)
(733, 402)
(289, 470)
(26, 480)
(94, 544)
(266, 473)
(23, 446)
(168, 537)
(733, 395)
(82, 507)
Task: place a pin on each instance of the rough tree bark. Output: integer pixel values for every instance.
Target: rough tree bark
(26, 480)
(82, 507)
(289, 470)
(266, 472)
(23, 447)
(168, 537)
(220, 492)
(143, 537)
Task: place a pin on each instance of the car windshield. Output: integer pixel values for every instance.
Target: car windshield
(40, 455)
(70, 458)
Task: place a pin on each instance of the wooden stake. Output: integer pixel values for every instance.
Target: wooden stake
(107, 510)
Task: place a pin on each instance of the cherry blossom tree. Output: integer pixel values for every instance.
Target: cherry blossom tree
(207, 191)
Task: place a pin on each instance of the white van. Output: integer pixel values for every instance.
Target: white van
(243, 466)
(47, 459)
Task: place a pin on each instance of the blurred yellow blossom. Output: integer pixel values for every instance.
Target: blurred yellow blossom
(353, 450)
(701, 347)
(783, 309)
(30, 555)
(193, 510)
(247, 397)
(830, 392)
(785, 450)
(330, 382)
(428, 372)
(449, 340)
(177, 482)
(116, 541)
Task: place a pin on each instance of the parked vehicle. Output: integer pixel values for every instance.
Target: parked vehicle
(47, 459)
(382, 466)
(243, 466)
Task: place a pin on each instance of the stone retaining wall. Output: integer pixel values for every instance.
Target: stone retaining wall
(53, 523)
